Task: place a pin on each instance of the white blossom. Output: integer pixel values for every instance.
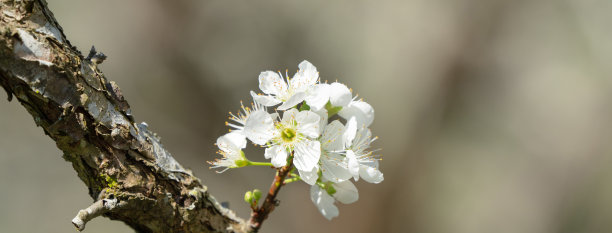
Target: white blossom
(360, 160)
(296, 132)
(255, 123)
(334, 166)
(325, 152)
(230, 147)
(288, 91)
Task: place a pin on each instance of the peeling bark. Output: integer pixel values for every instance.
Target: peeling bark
(90, 121)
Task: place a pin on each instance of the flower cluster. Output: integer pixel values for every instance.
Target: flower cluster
(304, 132)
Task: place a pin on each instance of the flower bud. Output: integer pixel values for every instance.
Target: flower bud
(256, 194)
(248, 197)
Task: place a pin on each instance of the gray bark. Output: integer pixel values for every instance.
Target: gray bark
(121, 162)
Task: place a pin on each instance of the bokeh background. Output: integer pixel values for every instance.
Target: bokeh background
(493, 115)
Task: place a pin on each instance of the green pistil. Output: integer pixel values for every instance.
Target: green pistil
(288, 134)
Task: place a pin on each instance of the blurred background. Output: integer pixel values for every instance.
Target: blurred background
(493, 115)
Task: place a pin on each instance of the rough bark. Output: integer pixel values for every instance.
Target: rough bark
(130, 175)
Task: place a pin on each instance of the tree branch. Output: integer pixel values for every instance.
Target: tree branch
(258, 215)
(130, 175)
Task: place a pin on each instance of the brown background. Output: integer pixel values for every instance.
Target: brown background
(493, 116)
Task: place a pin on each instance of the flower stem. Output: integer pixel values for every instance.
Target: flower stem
(287, 181)
(251, 163)
(259, 214)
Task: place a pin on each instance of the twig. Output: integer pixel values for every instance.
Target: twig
(258, 215)
(94, 210)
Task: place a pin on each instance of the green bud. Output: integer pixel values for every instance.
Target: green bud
(248, 197)
(256, 194)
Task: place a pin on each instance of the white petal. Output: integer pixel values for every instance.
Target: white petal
(308, 123)
(362, 111)
(315, 194)
(231, 141)
(371, 174)
(323, 119)
(293, 100)
(272, 83)
(278, 155)
(331, 139)
(259, 127)
(353, 164)
(334, 168)
(318, 96)
(310, 177)
(350, 131)
(339, 94)
(306, 76)
(346, 192)
(270, 151)
(307, 155)
(289, 116)
(324, 202)
(307, 69)
(265, 100)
